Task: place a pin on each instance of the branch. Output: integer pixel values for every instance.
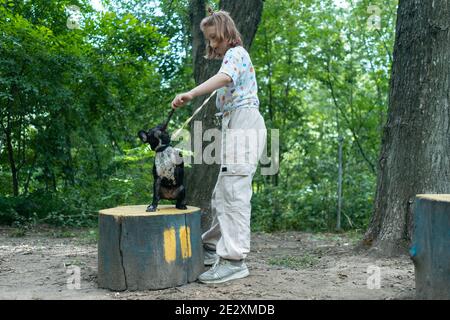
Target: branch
(330, 85)
(385, 46)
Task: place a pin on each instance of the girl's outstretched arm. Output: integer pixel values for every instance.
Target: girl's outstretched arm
(213, 83)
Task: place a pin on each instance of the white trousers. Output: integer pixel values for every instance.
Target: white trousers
(244, 137)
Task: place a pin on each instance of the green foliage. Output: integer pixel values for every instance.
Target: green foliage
(45, 207)
(72, 101)
(323, 75)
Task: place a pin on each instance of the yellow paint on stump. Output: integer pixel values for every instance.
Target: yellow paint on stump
(185, 241)
(170, 245)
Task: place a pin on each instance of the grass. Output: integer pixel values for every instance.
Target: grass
(74, 262)
(295, 262)
(83, 236)
(63, 233)
(350, 236)
(89, 236)
(18, 233)
(355, 235)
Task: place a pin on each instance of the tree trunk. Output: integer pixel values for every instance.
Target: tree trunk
(8, 131)
(415, 152)
(68, 165)
(12, 163)
(201, 178)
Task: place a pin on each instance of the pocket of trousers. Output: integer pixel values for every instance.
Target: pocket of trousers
(237, 169)
(238, 184)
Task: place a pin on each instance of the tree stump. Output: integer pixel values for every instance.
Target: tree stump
(141, 250)
(430, 250)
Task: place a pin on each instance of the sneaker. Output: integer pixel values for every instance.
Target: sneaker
(210, 257)
(224, 270)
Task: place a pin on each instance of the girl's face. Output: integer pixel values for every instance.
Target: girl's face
(219, 47)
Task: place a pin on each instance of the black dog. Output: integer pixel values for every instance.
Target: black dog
(168, 168)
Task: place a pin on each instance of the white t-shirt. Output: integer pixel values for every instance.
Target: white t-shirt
(243, 90)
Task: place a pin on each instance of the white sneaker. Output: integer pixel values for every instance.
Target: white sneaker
(224, 270)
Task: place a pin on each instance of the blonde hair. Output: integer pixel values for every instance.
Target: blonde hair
(225, 30)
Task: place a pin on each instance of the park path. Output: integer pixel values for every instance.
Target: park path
(286, 265)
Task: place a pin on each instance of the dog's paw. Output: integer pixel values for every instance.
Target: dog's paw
(151, 208)
(181, 207)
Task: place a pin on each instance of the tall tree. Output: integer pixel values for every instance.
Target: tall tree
(247, 15)
(415, 153)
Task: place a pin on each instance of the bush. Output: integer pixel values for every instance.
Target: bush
(41, 207)
(275, 208)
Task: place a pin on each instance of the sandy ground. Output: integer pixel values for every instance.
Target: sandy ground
(288, 265)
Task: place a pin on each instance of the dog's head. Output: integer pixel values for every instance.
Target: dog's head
(156, 137)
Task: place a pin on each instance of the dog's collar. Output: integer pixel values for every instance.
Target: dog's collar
(161, 147)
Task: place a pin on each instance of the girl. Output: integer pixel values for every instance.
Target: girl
(227, 242)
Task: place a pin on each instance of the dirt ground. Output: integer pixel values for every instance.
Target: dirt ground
(287, 265)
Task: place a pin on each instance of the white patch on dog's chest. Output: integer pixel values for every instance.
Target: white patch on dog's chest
(165, 162)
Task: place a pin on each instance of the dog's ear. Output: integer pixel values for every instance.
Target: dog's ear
(142, 135)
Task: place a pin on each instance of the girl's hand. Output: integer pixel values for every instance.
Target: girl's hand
(181, 99)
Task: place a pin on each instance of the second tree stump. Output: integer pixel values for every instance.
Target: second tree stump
(430, 250)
